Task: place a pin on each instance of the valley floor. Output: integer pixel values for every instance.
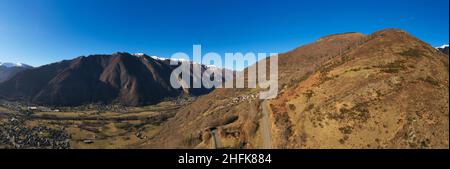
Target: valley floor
(80, 128)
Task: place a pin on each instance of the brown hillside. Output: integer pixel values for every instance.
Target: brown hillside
(390, 92)
(191, 123)
(385, 90)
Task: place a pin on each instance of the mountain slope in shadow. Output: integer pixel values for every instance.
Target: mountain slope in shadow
(119, 78)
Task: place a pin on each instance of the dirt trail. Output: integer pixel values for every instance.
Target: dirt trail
(265, 126)
(215, 140)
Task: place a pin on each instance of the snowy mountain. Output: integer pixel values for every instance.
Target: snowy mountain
(443, 49)
(210, 67)
(8, 70)
(10, 65)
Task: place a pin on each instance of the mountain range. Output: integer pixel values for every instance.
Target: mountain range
(120, 78)
(387, 89)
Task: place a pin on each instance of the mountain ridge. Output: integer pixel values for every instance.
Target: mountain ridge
(8, 70)
(117, 78)
(331, 97)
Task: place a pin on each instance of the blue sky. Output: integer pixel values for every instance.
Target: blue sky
(39, 32)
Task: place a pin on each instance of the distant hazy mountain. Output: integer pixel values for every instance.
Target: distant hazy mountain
(7, 70)
(118, 78)
(443, 48)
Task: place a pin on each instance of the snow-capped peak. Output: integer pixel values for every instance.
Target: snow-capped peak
(442, 47)
(158, 58)
(175, 59)
(9, 65)
(139, 54)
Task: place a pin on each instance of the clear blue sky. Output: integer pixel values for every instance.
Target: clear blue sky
(38, 32)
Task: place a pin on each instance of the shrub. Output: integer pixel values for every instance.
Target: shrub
(393, 67)
(308, 94)
(430, 80)
(309, 107)
(292, 107)
(346, 130)
(412, 52)
(359, 112)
